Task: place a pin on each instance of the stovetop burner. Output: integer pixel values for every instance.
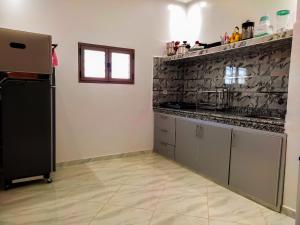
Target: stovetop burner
(178, 105)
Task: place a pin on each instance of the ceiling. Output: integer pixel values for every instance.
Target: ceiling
(184, 1)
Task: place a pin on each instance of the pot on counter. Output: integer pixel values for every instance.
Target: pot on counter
(247, 30)
(184, 48)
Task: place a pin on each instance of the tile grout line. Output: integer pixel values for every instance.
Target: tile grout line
(262, 214)
(207, 204)
(104, 205)
(158, 200)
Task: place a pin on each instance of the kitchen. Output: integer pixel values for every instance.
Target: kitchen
(226, 114)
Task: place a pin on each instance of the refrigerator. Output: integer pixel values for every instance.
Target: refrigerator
(27, 107)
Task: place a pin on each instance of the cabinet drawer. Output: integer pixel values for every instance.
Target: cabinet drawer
(164, 149)
(164, 128)
(165, 135)
(164, 121)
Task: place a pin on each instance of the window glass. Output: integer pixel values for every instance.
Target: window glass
(94, 64)
(120, 66)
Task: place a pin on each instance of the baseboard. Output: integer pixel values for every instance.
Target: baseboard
(288, 211)
(104, 157)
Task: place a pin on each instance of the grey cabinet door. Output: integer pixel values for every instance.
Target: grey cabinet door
(187, 143)
(214, 152)
(255, 165)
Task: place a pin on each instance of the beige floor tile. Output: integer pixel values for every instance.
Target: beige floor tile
(231, 207)
(146, 180)
(176, 219)
(182, 188)
(129, 190)
(16, 200)
(217, 189)
(112, 177)
(53, 212)
(273, 218)
(73, 181)
(119, 215)
(70, 172)
(188, 178)
(137, 197)
(94, 193)
(219, 222)
(186, 204)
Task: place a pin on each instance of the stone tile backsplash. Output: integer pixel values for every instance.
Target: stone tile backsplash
(256, 80)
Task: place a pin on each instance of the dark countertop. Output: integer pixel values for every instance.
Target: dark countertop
(272, 125)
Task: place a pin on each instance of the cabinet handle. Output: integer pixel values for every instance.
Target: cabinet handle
(17, 45)
(199, 131)
(164, 143)
(233, 140)
(164, 130)
(164, 117)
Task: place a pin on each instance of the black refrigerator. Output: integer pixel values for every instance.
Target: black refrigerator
(27, 107)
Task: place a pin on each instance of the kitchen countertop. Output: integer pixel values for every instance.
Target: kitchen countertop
(272, 125)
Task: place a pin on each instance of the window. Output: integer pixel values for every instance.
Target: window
(235, 75)
(104, 64)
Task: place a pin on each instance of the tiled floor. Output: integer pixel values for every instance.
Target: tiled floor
(139, 190)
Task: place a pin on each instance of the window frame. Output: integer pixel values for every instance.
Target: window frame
(108, 64)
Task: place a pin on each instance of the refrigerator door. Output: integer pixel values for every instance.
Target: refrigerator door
(53, 127)
(25, 52)
(26, 126)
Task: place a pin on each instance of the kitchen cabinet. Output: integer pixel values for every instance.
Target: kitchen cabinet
(187, 143)
(214, 152)
(247, 161)
(164, 135)
(164, 149)
(204, 147)
(257, 165)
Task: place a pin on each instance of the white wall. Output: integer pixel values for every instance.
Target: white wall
(97, 119)
(293, 121)
(221, 16)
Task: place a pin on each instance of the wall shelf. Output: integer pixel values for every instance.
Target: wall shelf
(234, 46)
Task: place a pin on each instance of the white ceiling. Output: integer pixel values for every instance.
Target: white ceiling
(184, 1)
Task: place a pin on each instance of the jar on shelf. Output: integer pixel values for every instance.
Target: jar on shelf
(184, 48)
(283, 20)
(170, 48)
(264, 27)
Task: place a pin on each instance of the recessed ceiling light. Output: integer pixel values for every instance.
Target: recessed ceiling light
(203, 4)
(184, 1)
